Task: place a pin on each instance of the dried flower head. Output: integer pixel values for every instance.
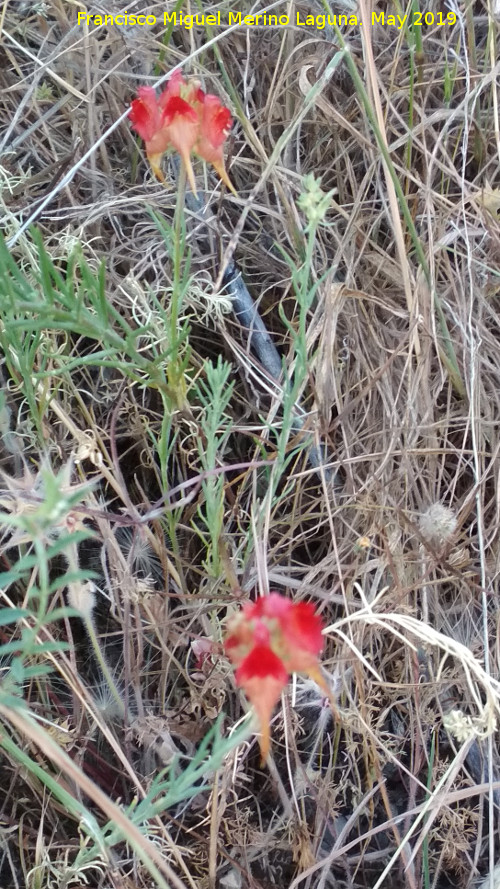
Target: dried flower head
(462, 726)
(438, 524)
(81, 597)
(40, 505)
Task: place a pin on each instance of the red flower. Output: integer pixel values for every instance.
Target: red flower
(183, 118)
(145, 113)
(214, 128)
(181, 123)
(268, 640)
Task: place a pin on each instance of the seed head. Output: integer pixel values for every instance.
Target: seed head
(438, 524)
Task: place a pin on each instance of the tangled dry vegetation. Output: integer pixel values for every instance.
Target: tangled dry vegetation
(199, 498)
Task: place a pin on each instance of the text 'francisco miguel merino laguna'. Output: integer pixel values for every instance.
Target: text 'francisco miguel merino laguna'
(259, 20)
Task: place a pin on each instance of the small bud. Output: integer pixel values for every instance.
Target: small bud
(313, 201)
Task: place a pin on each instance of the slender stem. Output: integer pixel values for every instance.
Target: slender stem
(89, 626)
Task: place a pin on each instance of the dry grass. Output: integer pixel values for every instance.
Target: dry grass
(402, 384)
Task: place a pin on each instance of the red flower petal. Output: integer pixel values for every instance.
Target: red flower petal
(146, 118)
(273, 605)
(176, 107)
(260, 663)
(144, 113)
(181, 124)
(300, 626)
(178, 87)
(215, 123)
(262, 677)
(173, 87)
